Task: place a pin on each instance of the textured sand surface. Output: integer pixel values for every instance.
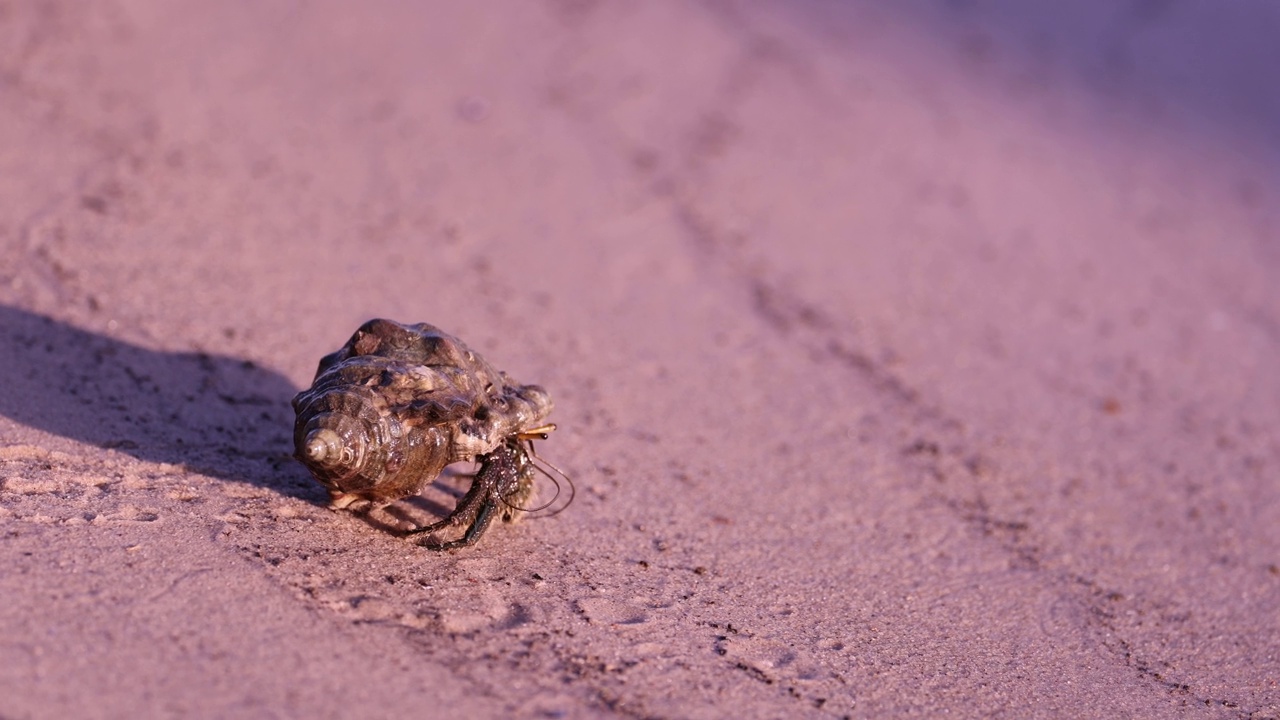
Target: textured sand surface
(910, 358)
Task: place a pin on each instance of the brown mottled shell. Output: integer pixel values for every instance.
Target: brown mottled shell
(396, 404)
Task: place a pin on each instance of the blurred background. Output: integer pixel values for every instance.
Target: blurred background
(929, 345)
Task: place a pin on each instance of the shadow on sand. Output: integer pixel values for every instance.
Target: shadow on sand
(216, 415)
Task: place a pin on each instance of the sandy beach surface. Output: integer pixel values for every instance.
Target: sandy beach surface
(910, 359)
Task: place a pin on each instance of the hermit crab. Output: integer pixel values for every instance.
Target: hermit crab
(391, 408)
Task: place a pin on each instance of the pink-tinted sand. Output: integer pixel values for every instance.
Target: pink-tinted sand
(911, 359)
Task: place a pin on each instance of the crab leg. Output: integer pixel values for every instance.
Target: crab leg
(483, 519)
(499, 474)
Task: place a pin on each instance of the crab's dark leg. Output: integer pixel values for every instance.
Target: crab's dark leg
(516, 498)
(499, 472)
(468, 508)
(483, 519)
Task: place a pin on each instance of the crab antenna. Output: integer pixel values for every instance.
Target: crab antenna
(543, 506)
(573, 489)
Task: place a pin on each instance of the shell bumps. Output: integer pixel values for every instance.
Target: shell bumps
(397, 403)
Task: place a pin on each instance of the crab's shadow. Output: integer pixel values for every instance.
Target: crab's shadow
(217, 415)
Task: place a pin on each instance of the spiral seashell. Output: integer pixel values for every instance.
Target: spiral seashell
(396, 404)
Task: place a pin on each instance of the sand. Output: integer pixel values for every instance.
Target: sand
(910, 359)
